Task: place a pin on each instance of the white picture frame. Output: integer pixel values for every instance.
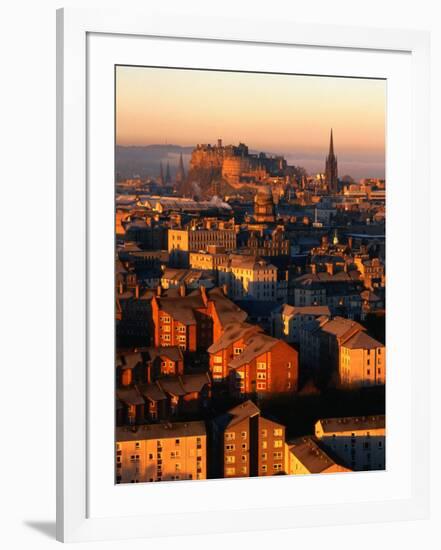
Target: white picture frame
(78, 517)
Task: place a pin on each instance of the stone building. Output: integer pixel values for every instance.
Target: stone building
(264, 209)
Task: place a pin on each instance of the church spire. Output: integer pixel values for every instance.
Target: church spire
(180, 174)
(167, 174)
(331, 169)
(331, 146)
(161, 173)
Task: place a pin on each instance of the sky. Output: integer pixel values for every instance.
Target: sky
(277, 113)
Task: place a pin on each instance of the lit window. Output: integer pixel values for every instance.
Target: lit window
(230, 436)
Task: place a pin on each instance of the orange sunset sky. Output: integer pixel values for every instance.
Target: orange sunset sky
(284, 114)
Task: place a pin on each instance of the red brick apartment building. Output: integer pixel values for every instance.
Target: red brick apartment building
(251, 361)
(192, 321)
(249, 445)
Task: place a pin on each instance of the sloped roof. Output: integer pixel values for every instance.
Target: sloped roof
(129, 396)
(232, 332)
(174, 353)
(226, 309)
(256, 345)
(160, 431)
(242, 411)
(362, 340)
(309, 452)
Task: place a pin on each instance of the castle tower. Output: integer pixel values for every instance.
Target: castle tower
(167, 174)
(264, 211)
(180, 174)
(331, 172)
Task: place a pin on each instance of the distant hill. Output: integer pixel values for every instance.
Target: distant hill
(144, 160)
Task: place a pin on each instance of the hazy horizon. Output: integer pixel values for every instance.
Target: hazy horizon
(290, 115)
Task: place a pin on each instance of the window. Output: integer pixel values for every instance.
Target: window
(177, 467)
(166, 337)
(278, 432)
(230, 459)
(261, 385)
(244, 458)
(177, 441)
(244, 470)
(261, 366)
(278, 454)
(264, 433)
(137, 445)
(264, 444)
(244, 435)
(278, 443)
(230, 447)
(230, 471)
(238, 351)
(264, 468)
(261, 375)
(218, 359)
(230, 436)
(264, 456)
(277, 467)
(150, 456)
(244, 446)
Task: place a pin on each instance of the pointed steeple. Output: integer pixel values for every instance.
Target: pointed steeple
(167, 174)
(331, 169)
(161, 173)
(180, 174)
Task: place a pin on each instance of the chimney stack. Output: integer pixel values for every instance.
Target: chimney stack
(182, 290)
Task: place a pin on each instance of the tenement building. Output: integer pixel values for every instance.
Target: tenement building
(192, 321)
(249, 444)
(252, 362)
(362, 361)
(198, 237)
(358, 441)
(248, 278)
(161, 452)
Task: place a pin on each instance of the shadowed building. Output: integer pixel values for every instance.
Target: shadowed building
(358, 441)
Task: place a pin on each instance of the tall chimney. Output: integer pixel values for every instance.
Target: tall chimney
(182, 290)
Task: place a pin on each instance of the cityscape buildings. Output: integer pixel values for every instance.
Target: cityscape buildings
(250, 299)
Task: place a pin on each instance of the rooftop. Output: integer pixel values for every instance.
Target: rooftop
(352, 423)
(361, 340)
(160, 431)
(308, 451)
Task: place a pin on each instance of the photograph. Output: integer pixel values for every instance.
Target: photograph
(250, 274)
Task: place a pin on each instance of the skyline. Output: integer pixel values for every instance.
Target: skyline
(295, 121)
